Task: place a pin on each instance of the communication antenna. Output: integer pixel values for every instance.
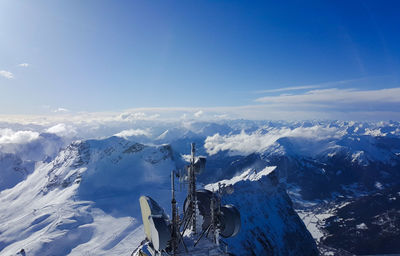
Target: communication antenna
(175, 224)
(203, 215)
(192, 188)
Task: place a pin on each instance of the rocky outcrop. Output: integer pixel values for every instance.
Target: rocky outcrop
(270, 226)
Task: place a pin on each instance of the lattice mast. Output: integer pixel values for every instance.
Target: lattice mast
(192, 189)
(175, 220)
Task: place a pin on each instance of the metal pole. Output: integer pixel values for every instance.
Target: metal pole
(193, 187)
(213, 228)
(174, 237)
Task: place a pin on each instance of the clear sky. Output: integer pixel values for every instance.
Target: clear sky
(104, 55)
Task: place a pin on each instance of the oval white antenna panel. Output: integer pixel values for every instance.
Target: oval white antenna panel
(146, 212)
(149, 207)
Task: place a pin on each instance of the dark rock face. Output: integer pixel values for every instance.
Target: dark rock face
(352, 170)
(367, 225)
(270, 226)
(369, 221)
(134, 148)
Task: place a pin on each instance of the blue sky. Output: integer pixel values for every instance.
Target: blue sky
(316, 57)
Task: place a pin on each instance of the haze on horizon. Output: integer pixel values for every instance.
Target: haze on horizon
(227, 59)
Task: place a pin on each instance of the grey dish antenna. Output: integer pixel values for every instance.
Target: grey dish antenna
(228, 216)
(204, 197)
(230, 221)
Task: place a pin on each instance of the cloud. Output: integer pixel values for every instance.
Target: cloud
(131, 116)
(133, 132)
(339, 99)
(198, 113)
(294, 88)
(314, 86)
(62, 130)
(61, 110)
(221, 116)
(325, 104)
(9, 136)
(247, 143)
(24, 65)
(6, 74)
(57, 128)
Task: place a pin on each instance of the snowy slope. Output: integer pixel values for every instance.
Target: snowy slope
(270, 226)
(84, 201)
(20, 150)
(73, 205)
(326, 166)
(13, 170)
(33, 146)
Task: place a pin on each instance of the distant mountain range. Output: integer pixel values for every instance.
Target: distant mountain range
(80, 197)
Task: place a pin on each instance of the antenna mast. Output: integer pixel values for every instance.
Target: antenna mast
(164, 236)
(192, 189)
(175, 225)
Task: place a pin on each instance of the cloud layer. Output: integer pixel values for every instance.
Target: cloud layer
(6, 74)
(338, 98)
(247, 143)
(133, 132)
(62, 130)
(320, 104)
(8, 136)
(61, 110)
(293, 88)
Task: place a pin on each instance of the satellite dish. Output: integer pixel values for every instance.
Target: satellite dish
(155, 223)
(230, 221)
(203, 203)
(160, 233)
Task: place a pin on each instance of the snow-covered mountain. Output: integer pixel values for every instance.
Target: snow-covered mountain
(82, 200)
(13, 170)
(19, 151)
(270, 226)
(332, 171)
(85, 202)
